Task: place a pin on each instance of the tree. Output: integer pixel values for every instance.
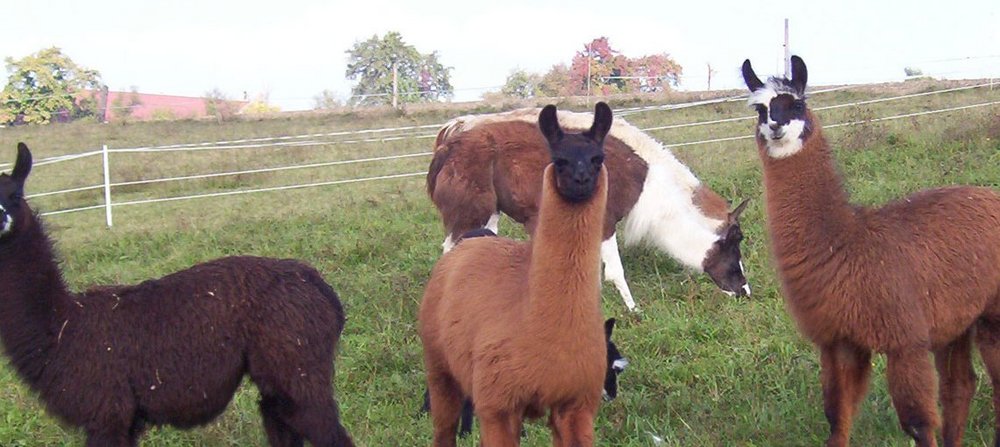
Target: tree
(521, 84)
(419, 77)
(219, 105)
(556, 82)
(47, 85)
(609, 72)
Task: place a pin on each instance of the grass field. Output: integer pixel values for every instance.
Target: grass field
(706, 369)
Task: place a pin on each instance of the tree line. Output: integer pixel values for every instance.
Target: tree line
(48, 86)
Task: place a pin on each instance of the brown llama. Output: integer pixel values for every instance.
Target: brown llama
(517, 326)
(171, 350)
(487, 164)
(915, 275)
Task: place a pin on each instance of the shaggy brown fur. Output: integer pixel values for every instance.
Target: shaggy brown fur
(914, 275)
(171, 350)
(517, 326)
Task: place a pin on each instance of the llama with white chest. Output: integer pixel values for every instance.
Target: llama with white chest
(915, 275)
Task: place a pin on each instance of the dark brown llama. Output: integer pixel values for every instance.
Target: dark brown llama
(915, 275)
(487, 164)
(171, 350)
(517, 326)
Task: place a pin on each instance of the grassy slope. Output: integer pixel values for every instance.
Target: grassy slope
(706, 369)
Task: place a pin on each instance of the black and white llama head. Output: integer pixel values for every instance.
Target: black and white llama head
(12, 204)
(577, 157)
(783, 122)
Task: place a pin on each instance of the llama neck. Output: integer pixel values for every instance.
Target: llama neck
(564, 274)
(33, 291)
(807, 207)
(665, 216)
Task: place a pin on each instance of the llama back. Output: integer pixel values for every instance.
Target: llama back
(461, 272)
(216, 315)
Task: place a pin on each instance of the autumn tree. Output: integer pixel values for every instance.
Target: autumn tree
(609, 72)
(379, 64)
(47, 85)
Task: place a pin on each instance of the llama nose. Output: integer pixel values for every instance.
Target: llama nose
(774, 126)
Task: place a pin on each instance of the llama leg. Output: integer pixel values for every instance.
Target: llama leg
(988, 341)
(445, 405)
(466, 426)
(279, 434)
(845, 371)
(958, 384)
(572, 426)
(614, 271)
(911, 384)
(113, 439)
(318, 422)
(497, 429)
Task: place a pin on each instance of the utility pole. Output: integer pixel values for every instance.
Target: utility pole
(788, 56)
(590, 57)
(395, 86)
(710, 73)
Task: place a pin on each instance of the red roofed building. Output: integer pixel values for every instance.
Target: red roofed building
(145, 106)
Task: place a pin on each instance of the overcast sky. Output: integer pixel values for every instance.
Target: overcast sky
(294, 49)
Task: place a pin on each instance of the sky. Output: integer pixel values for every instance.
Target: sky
(292, 50)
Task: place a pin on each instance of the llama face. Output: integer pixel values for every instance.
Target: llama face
(577, 157)
(12, 190)
(724, 262)
(782, 118)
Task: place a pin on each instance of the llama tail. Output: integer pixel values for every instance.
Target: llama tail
(320, 284)
(440, 156)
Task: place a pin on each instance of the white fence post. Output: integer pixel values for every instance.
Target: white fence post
(107, 185)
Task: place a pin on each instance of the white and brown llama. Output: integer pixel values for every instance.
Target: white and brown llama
(487, 164)
(915, 275)
(172, 350)
(517, 326)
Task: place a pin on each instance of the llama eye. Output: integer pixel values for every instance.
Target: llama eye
(799, 106)
(597, 159)
(561, 162)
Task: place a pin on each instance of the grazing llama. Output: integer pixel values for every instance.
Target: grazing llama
(616, 365)
(487, 164)
(517, 326)
(171, 350)
(914, 275)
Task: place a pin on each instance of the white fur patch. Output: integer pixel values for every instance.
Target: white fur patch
(494, 223)
(447, 244)
(620, 364)
(666, 217)
(8, 221)
(784, 142)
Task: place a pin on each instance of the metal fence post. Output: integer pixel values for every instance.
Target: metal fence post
(107, 185)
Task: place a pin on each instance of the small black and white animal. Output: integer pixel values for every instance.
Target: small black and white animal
(616, 365)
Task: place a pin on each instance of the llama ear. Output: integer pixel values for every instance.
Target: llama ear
(602, 123)
(23, 164)
(549, 125)
(799, 75)
(734, 215)
(750, 78)
(609, 326)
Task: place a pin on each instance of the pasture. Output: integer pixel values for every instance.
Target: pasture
(705, 369)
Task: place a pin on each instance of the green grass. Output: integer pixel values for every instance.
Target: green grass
(706, 369)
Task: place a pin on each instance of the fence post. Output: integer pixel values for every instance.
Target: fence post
(107, 185)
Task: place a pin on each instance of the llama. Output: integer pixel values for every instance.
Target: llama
(487, 164)
(615, 366)
(171, 350)
(516, 326)
(914, 275)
